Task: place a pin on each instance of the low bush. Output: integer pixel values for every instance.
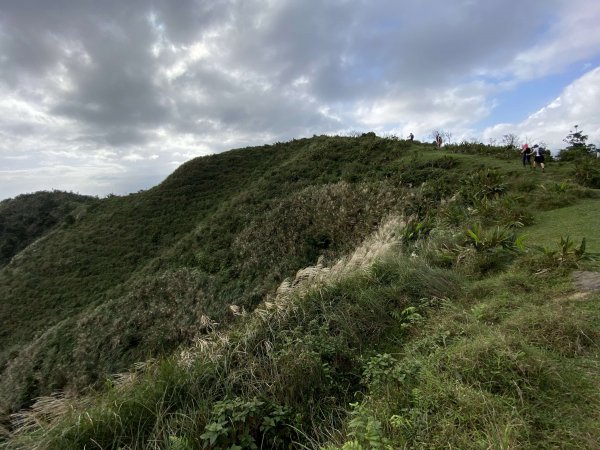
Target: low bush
(474, 148)
(482, 184)
(587, 172)
(565, 255)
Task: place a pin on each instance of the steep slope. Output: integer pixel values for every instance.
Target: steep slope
(133, 277)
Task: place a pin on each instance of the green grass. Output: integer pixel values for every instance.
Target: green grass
(577, 221)
(507, 365)
(503, 362)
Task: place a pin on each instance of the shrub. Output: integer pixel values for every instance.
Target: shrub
(506, 211)
(247, 424)
(587, 172)
(472, 148)
(576, 153)
(416, 229)
(484, 183)
(566, 256)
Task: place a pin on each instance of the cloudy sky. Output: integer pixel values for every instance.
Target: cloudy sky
(110, 96)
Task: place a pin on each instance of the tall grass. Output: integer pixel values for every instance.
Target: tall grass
(300, 355)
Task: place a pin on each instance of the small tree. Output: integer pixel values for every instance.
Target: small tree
(577, 147)
(576, 138)
(510, 140)
(437, 133)
(447, 136)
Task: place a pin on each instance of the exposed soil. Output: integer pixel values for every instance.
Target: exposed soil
(586, 281)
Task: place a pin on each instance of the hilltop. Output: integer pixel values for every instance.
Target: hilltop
(265, 289)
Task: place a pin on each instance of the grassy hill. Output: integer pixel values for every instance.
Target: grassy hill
(30, 216)
(207, 218)
(431, 314)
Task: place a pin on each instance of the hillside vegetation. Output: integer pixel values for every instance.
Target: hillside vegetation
(30, 216)
(331, 292)
(130, 278)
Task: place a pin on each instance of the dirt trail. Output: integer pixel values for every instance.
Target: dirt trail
(586, 281)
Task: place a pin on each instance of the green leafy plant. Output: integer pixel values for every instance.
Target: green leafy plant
(561, 188)
(179, 443)
(506, 211)
(366, 429)
(454, 213)
(379, 368)
(416, 229)
(567, 254)
(244, 424)
(496, 237)
(484, 183)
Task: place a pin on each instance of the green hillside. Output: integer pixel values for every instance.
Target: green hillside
(29, 216)
(430, 314)
(207, 218)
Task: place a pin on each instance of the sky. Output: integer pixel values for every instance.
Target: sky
(110, 96)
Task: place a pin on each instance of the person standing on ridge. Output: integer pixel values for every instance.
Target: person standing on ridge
(438, 141)
(538, 156)
(526, 152)
(411, 137)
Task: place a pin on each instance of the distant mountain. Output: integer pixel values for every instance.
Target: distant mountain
(28, 217)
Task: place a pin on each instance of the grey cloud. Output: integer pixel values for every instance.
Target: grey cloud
(354, 50)
(115, 136)
(271, 68)
(346, 51)
(111, 71)
(190, 19)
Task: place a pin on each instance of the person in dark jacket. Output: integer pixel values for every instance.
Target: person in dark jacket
(538, 156)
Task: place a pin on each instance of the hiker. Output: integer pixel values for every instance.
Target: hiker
(411, 137)
(526, 152)
(438, 140)
(538, 156)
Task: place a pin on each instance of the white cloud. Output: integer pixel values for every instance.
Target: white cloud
(569, 38)
(94, 179)
(419, 112)
(578, 104)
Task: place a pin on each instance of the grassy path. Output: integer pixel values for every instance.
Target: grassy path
(578, 221)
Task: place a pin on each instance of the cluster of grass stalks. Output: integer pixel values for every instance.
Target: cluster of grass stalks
(297, 360)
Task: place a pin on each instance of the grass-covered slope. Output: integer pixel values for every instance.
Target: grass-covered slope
(30, 216)
(95, 295)
(580, 220)
(445, 328)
